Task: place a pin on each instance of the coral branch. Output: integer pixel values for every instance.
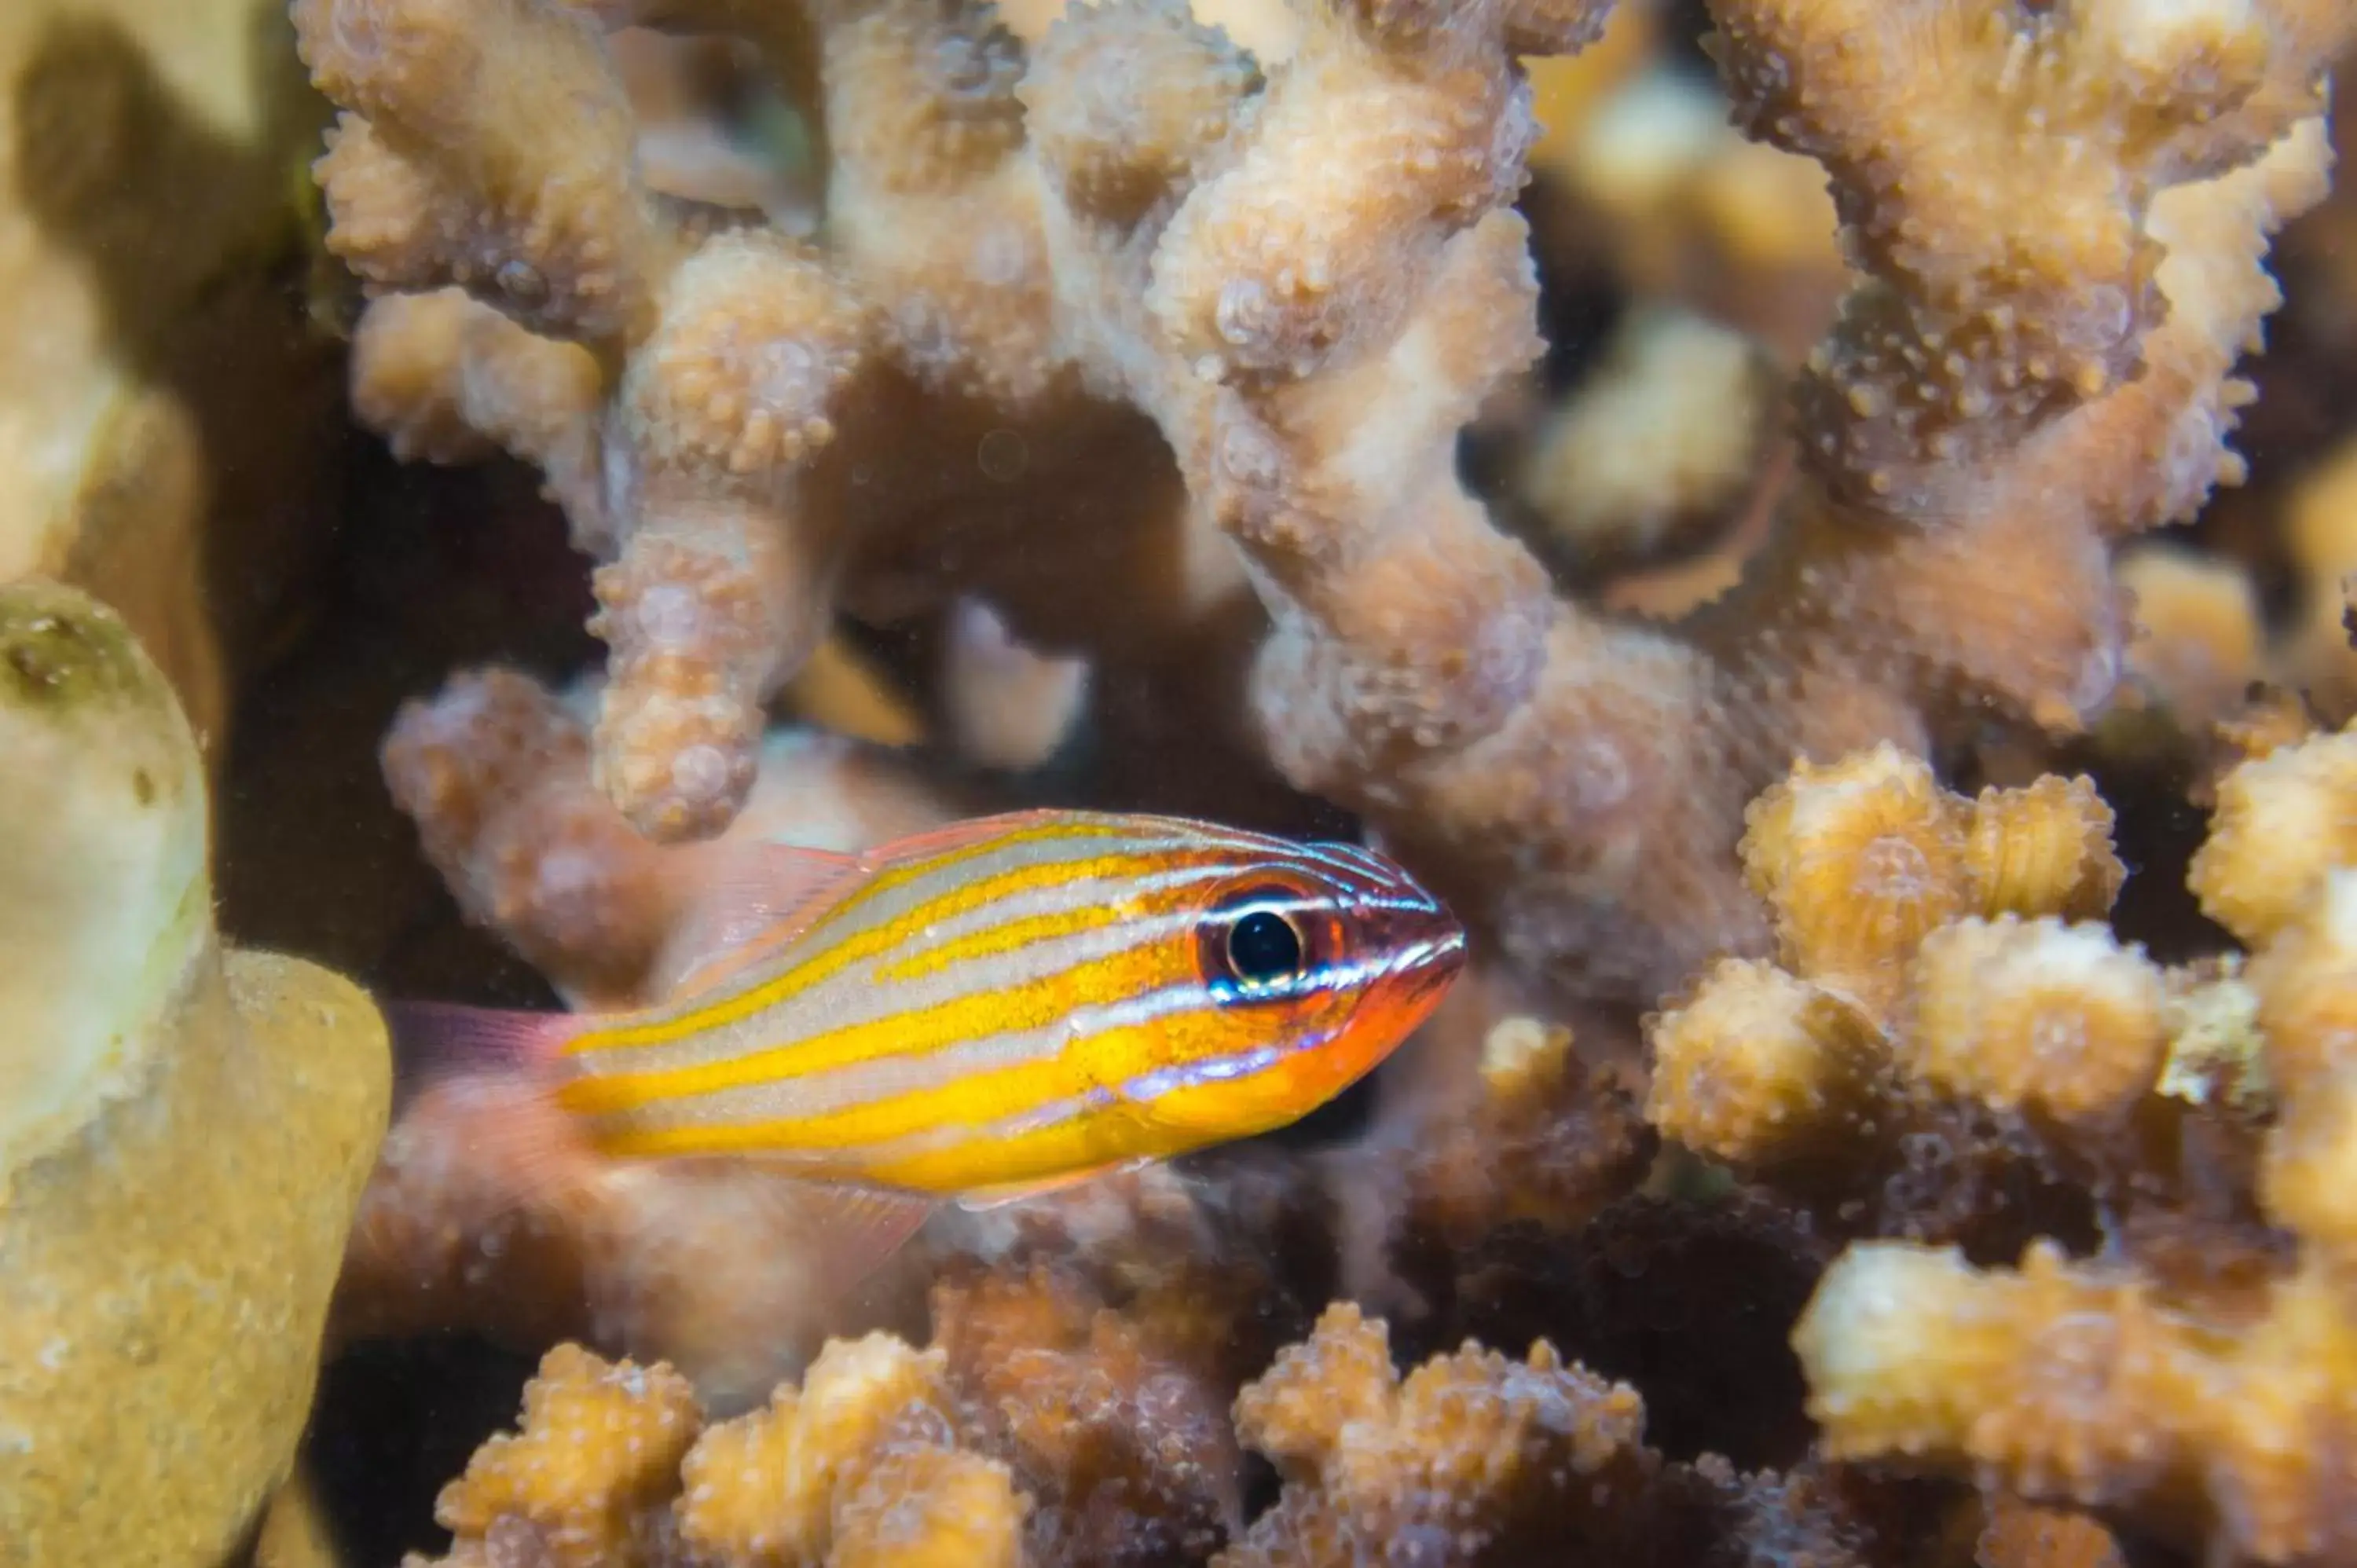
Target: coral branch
(1294, 282)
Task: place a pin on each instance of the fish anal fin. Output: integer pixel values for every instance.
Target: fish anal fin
(979, 1198)
(749, 898)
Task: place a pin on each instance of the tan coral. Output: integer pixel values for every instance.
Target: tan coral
(1761, 1067)
(1302, 296)
(731, 436)
(614, 1466)
(1116, 1429)
(2082, 1382)
(2194, 1381)
(2039, 1016)
(599, 1447)
(2198, 640)
(1867, 1084)
(2320, 527)
(185, 1128)
(1860, 860)
(1488, 1458)
(2044, 848)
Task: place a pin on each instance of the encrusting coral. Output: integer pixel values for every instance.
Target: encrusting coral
(1954, 1051)
(184, 1129)
(1299, 278)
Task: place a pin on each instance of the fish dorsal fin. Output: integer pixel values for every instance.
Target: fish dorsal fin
(957, 835)
(752, 897)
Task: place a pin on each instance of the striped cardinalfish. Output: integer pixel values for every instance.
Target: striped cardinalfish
(1000, 1007)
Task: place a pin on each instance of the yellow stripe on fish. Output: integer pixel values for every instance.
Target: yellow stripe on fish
(1020, 1000)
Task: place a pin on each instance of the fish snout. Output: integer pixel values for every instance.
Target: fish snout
(1423, 949)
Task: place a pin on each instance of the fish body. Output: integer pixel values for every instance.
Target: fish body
(1013, 1003)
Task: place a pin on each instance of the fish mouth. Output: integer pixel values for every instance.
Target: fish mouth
(1425, 970)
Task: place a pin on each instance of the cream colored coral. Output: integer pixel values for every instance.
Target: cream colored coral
(1927, 969)
(1862, 858)
(1859, 860)
(2198, 641)
(2083, 1382)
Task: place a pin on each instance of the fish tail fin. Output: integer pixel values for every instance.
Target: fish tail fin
(437, 1041)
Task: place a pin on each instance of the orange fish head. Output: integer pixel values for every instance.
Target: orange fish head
(1318, 962)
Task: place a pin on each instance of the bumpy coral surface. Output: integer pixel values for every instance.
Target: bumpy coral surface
(614, 1467)
(885, 1453)
(1079, 309)
(183, 1131)
(1947, 1056)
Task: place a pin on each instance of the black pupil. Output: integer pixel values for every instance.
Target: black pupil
(1263, 946)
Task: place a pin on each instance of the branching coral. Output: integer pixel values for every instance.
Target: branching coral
(1043, 1423)
(1665, 440)
(495, 768)
(1305, 277)
(736, 419)
(1125, 1447)
(1474, 1458)
(888, 1454)
(1934, 992)
(2190, 1378)
(613, 1467)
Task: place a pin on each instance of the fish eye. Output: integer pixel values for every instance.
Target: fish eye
(1263, 946)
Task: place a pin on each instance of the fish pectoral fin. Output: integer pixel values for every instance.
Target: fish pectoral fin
(979, 1199)
(861, 1227)
(755, 896)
